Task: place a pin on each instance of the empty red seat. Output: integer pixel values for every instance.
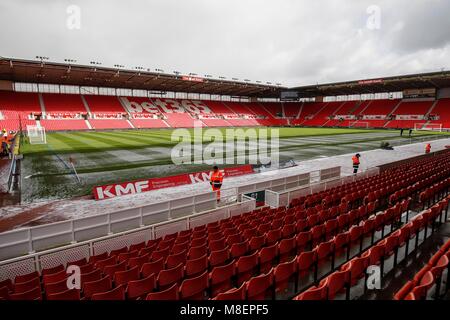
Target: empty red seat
(70, 294)
(33, 294)
(98, 286)
(195, 267)
(27, 286)
(238, 249)
(232, 294)
(246, 266)
(49, 271)
(314, 293)
(195, 288)
(175, 259)
(221, 278)
(153, 267)
(141, 287)
(267, 257)
(26, 277)
(336, 282)
(123, 277)
(112, 269)
(218, 258)
(168, 294)
(117, 293)
(259, 288)
(166, 278)
(283, 273)
(286, 249)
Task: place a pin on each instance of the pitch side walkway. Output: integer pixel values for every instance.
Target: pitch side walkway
(34, 214)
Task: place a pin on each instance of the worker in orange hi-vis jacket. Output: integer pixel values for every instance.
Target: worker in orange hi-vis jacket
(216, 179)
(356, 162)
(428, 148)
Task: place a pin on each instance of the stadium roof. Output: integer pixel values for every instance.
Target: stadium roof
(435, 80)
(18, 70)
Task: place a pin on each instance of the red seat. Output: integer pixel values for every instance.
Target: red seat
(71, 294)
(138, 261)
(168, 294)
(153, 267)
(56, 287)
(246, 267)
(314, 293)
(117, 293)
(232, 294)
(335, 283)
(96, 258)
(273, 236)
(195, 267)
(238, 249)
(91, 276)
(49, 271)
(27, 286)
(175, 259)
(33, 294)
(407, 288)
(197, 252)
(420, 291)
(286, 249)
(163, 253)
(217, 245)
(218, 258)
(257, 242)
(303, 240)
(258, 288)
(283, 273)
(112, 269)
(267, 257)
(8, 284)
(305, 261)
(357, 268)
(221, 278)
(102, 285)
(123, 277)
(141, 287)
(26, 277)
(168, 277)
(195, 288)
(101, 264)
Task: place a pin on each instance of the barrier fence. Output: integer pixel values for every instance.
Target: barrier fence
(329, 178)
(79, 250)
(29, 240)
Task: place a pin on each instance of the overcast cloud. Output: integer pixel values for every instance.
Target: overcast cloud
(294, 42)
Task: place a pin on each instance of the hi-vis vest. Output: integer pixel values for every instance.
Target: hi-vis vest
(216, 177)
(355, 160)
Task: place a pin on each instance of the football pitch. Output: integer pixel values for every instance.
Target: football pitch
(115, 156)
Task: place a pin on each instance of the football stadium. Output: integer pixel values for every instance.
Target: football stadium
(132, 183)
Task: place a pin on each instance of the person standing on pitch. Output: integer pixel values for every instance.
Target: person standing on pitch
(355, 160)
(216, 179)
(428, 148)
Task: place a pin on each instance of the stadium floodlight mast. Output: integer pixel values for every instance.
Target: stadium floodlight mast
(176, 73)
(159, 70)
(42, 58)
(247, 80)
(69, 61)
(119, 66)
(235, 79)
(96, 63)
(208, 76)
(192, 74)
(223, 78)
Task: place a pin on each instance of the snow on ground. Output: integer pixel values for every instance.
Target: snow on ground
(68, 209)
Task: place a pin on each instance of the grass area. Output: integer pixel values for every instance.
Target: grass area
(112, 156)
(80, 142)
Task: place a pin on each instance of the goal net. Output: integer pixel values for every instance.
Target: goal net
(358, 124)
(36, 135)
(428, 127)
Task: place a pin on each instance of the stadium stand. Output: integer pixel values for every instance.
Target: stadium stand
(317, 246)
(84, 112)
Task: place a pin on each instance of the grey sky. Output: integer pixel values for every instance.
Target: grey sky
(295, 42)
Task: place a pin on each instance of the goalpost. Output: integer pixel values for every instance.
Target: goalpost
(36, 135)
(428, 127)
(359, 124)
